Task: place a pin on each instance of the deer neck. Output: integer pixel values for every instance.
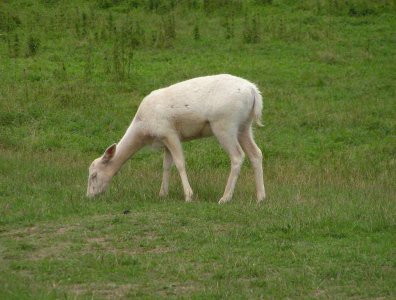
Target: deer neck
(130, 143)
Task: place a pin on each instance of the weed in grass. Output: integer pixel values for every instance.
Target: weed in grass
(196, 33)
(213, 6)
(167, 31)
(15, 47)
(229, 25)
(251, 32)
(33, 44)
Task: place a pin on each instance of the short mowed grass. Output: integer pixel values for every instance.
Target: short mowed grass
(72, 74)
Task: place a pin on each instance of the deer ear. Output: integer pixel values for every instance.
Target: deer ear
(109, 153)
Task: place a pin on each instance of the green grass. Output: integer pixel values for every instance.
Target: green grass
(69, 86)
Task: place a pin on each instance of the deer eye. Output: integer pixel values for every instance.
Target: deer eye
(94, 175)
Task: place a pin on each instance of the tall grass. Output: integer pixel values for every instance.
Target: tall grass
(72, 75)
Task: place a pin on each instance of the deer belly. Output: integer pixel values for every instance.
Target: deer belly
(189, 131)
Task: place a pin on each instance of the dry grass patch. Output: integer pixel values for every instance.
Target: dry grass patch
(60, 241)
(101, 290)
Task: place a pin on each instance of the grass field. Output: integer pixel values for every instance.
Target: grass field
(72, 74)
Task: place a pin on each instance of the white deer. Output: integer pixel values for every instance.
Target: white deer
(221, 105)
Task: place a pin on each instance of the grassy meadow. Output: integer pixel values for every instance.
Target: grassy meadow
(72, 75)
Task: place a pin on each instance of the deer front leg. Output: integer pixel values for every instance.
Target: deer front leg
(172, 142)
(167, 164)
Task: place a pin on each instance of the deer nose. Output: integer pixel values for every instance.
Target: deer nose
(89, 195)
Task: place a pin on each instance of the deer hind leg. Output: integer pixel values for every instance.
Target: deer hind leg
(167, 164)
(227, 137)
(172, 142)
(256, 158)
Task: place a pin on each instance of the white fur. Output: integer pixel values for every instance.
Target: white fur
(221, 105)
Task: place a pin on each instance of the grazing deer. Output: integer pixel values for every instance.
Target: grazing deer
(221, 105)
